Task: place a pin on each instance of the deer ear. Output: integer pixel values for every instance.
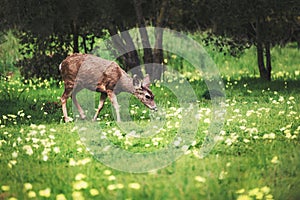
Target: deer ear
(136, 82)
(146, 81)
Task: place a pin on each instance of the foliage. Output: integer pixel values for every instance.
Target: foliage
(9, 52)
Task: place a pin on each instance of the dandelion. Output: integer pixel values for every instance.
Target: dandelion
(111, 178)
(200, 179)
(5, 188)
(80, 176)
(112, 187)
(265, 189)
(83, 161)
(241, 191)
(45, 193)
(94, 192)
(61, 197)
(11, 163)
(31, 194)
(56, 150)
(135, 186)
(107, 172)
(76, 195)
(27, 186)
(244, 197)
(72, 162)
(275, 160)
(222, 175)
(78, 185)
(14, 154)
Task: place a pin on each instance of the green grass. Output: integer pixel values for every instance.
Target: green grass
(257, 153)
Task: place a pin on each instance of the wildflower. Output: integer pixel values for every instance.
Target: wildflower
(14, 154)
(31, 194)
(76, 195)
(112, 187)
(45, 193)
(84, 161)
(244, 197)
(61, 197)
(111, 178)
(222, 175)
(275, 160)
(120, 186)
(200, 179)
(135, 186)
(241, 191)
(265, 189)
(56, 149)
(5, 188)
(80, 176)
(94, 192)
(27, 186)
(107, 172)
(78, 185)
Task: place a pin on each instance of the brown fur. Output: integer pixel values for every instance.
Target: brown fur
(87, 71)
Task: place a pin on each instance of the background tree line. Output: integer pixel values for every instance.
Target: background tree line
(51, 29)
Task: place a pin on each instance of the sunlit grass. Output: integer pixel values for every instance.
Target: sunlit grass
(256, 155)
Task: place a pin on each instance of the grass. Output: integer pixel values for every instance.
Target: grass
(256, 156)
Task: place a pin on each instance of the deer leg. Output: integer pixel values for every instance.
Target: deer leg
(74, 99)
(115, 104)
(101, 103)
(63, 100)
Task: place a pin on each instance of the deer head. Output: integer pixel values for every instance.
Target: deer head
(143, 92)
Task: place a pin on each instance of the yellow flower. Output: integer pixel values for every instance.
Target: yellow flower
(45, 193)
(275, 160)
(135, 186)
(5, 188)
(244, 197)
(61, 197)
(259, 195)
(107, 172)
(253, 192)
(80, 176)
(94, 192)
(78, 185)
(241, 191)
(77, 196)
(111, 178)
(27, 186)
(31, 194)
(112, 187)
(200, 179)
(265, 189)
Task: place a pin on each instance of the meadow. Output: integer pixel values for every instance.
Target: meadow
(257, 154)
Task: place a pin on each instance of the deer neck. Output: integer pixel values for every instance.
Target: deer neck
(125, 84)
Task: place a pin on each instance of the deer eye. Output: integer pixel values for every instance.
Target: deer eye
(148, 96)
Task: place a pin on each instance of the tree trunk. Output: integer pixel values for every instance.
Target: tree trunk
(264, 71)
(124, 45)
(75, 37)
(268, 61)
(158, 54)
(148, 56)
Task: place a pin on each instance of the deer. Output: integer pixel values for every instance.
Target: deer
(87, 71)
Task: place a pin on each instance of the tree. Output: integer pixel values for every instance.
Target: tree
(49, 30)
(263, 23)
